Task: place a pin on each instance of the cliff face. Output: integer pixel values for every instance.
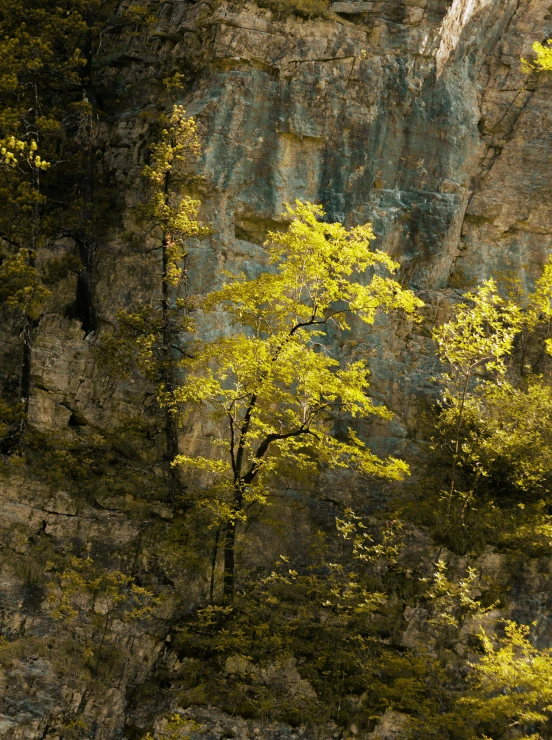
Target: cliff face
(395, 115)
(413, 115)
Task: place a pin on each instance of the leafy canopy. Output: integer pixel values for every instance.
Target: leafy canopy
(513, 684)
(481, 333)
(503, 421)
(270, 379)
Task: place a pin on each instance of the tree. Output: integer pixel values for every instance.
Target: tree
(494, 420)
(480, 336)
(269, 381)
(166, 222)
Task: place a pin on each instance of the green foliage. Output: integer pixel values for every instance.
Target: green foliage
(11, 417)
(90, 600)
(320, 637)
(322, 642)
(512, 686)
(448, 597)
(513, 436)
(481, 333)
(543, 60)
(93, 467)
(494, 423)
(48, 125)
(49, 193)
(175, 727)
(13, 152)
(296, 643)
(149, 336)
(480, 337)
(21, 287)
(46, 51)
(152, 326)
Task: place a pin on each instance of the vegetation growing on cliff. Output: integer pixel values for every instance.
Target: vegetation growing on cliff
(46, 102)
(149, 336)
(494, 421)
(543, 58)
(228, 412)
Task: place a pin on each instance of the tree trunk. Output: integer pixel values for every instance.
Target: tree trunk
(171, 438)
(229, 559)
(28, 326)
(230, 543)
(25, 384)
(213, 568)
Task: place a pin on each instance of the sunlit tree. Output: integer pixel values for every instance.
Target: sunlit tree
(270, 383)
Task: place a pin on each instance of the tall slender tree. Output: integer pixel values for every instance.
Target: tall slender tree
(166, 220)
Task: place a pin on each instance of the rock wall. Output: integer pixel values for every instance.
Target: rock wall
(413, 115)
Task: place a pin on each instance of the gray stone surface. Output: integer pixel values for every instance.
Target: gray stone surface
(354, 7)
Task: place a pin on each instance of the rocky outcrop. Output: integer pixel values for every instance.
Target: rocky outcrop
(414, 115)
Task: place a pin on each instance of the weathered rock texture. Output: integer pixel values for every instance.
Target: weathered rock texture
(412, 114)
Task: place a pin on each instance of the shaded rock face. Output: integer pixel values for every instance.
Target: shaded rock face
(413, 115)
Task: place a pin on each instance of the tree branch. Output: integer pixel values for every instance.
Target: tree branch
(263, 448)
(232, 443)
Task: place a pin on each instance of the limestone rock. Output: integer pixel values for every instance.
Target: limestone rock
(391, 726)
(354, 7)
